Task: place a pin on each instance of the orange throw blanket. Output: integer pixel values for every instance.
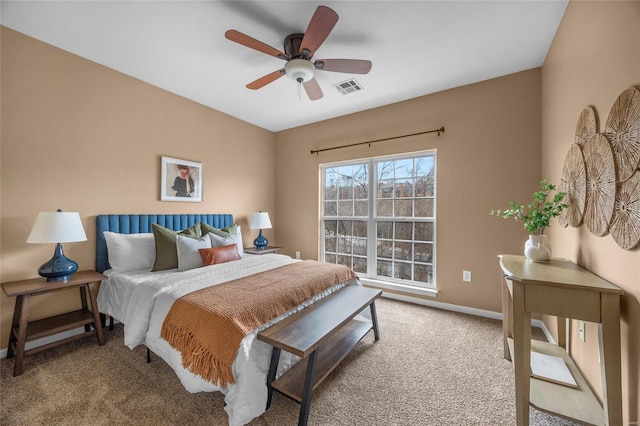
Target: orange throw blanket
(208, 325)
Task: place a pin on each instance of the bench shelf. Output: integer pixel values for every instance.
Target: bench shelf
(335, 349)
(321, 335)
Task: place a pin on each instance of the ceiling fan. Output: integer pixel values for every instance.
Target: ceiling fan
(298, 51)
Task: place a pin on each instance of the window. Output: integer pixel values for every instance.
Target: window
(378, 217)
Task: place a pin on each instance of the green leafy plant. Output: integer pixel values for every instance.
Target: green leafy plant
(537, 214)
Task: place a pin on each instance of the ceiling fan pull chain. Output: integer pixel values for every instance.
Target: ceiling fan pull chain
(300, 89)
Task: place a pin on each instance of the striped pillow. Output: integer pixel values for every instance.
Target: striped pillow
(188, 254)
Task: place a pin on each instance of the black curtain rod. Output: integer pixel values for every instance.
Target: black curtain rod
(440, 130)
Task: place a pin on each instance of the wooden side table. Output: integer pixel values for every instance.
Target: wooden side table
(23, 331)
(561, 288)
(266, 250)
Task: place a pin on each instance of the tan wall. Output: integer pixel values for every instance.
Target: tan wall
(66, 123)
(82, 137)
(489, 154)
(594, 57)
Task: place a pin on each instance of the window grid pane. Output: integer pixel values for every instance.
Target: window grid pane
(400, 242)
(404, 217)
(345, 243)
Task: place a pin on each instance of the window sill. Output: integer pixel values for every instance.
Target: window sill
(410, 289)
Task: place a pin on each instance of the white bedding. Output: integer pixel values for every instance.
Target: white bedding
(142, 299)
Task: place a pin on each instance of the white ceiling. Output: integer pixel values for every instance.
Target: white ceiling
(417, 47)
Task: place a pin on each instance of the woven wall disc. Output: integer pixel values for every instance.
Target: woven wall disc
(625, 225)
(623, 131)
(587, 125)
(574, 183)
(601, 184)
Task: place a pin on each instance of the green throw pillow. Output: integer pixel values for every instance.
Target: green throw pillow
(224, 232)
(166, 249)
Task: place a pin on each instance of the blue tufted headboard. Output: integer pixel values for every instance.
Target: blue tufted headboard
(141, 223)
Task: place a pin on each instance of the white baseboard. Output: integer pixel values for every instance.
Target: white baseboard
(46, 340)
(463, 310)
(445, 306)
(54, 338)
(545, 330)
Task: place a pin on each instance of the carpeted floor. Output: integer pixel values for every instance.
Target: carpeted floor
(431, 367)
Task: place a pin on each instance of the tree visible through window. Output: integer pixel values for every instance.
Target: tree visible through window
(378, 217)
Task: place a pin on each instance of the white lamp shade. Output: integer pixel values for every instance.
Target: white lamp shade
(260, 220)
(57, 227)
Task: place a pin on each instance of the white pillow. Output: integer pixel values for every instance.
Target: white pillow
(218, 241)
(130, 252)
(188, 255)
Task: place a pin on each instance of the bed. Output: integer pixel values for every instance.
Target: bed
(141, 299)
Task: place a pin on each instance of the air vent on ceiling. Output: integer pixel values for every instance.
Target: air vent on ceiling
(348, 86)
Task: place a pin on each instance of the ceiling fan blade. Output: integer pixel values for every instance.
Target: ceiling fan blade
(313, 89)
(252, 43)
(353, 66)
(321, 24)
(263, 81)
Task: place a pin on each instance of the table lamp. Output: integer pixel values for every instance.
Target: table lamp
(260, 220)
(57, 227)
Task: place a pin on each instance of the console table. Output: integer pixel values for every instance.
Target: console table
(561, 288)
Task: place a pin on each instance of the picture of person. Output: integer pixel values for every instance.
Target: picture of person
(183, 183)
(181, 180)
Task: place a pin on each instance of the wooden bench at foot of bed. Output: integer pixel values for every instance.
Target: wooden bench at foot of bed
(322, 335)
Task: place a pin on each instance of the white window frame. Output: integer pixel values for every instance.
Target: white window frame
(371, 277)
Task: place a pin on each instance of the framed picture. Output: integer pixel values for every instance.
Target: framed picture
(181, 180)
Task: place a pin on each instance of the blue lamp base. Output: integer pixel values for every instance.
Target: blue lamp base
(59, 267)
(261, 242)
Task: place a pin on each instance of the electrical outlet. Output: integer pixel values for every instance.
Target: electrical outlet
(297, 255)
(466, 276)
(582, 331)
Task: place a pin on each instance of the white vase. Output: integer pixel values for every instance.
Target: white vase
(537, 248)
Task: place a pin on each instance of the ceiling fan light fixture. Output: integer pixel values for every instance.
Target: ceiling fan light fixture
(300, 70)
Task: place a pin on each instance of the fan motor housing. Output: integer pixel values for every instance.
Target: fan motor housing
(292, 44)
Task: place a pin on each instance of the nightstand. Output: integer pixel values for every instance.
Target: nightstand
(22, 330)
(266, 250)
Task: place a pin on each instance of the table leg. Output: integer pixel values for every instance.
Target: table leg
(17, 310)
(23, 321)
(506, 319)
(374, 320)
(561, 324)
(83, 300)
(521, 353)
(273, 369)
(307, 393)
(609, 344)
(96, 315)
